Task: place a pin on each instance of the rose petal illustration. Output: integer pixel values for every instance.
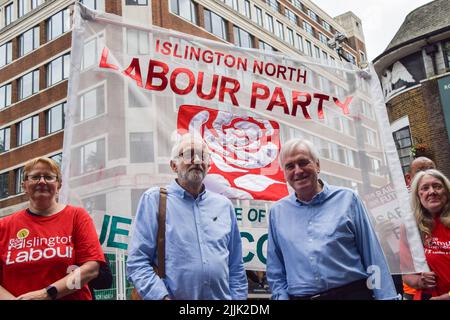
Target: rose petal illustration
(255, 182)
(218, 184)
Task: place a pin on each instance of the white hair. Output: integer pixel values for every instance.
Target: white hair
(294, 144)
(195, 138)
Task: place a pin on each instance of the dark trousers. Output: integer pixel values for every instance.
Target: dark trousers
(356, 290)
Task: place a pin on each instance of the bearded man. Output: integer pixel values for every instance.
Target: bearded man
(203, 250)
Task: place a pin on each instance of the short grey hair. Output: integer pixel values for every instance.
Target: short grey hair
(196, 138)
(296, 143)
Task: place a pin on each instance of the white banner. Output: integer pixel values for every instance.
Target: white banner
(129, 99)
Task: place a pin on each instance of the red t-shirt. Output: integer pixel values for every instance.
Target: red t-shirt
(437, 253)
(36, 251)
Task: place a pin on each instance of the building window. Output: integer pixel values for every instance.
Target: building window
(137, 42)
(22, 7)
(367, 110)
(28, 84)
(5, 96)
(259, 16)
(58, 24)
(403, 143)
(274, 5)
(247, 10)
(312, 15)
(316, 52)
(266, 47)
(323, 38)
(58, 70)
(55, 118)
(299, 43)
(290, 15)
(91, 52)
(18, 178)
(57, 158)
(28, 41)
(4, 185)
(297, 4)
(98, 5)
(215, 24)
(269, 22)
(370, 137)
(242, 38)
(91, 157)
(92, 103)
(136, 2)
(96, 203)
(36, 3)
(184, 9)
(308, 28)
(326, 26)
(350, 57)
(5, 53)
(27, 130)
(137, 98)
(446, 50)
(290, 34)
(141, 147)
(9, 17)
(4, 139)
(232, 3)
(309, 48)
(279, 31)
(363, 56)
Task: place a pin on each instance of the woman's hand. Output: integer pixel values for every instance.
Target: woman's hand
(445, 296)
(35, 295)
(427, 280)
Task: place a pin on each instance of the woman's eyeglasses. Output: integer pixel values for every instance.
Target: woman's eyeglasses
(36, 178)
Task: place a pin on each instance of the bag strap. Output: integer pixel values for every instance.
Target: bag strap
(161, 247)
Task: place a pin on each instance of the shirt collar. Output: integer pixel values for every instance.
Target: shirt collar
(318, 198)
(182, 193)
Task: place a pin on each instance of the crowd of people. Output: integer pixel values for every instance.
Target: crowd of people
(321, 243)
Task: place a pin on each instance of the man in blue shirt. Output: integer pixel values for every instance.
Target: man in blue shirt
(321, 243)
(203, 257)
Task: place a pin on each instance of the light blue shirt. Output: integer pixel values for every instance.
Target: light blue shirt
(323, 244)
(203, 248)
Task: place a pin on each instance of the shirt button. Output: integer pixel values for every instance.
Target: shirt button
(310, 223)
(311, 258)
(310, 240)
(317, 278)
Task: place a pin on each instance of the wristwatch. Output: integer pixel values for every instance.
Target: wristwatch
(52, 292)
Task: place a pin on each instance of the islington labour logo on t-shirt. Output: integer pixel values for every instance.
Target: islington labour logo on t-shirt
(24, 249)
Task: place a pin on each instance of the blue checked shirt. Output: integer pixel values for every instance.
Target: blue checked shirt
(323, 244)
(203, 248)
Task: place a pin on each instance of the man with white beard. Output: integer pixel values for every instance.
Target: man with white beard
(203, 251)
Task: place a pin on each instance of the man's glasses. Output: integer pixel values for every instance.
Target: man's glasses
(36, 178)
(191, 156)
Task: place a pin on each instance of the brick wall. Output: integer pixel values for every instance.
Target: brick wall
(438, 131)
(422, 105)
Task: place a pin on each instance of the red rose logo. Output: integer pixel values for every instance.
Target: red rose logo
(244, 152)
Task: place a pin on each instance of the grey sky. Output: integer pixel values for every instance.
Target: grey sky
(380, 18)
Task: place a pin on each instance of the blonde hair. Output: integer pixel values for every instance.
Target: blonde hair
(47, 161)
(424, 219)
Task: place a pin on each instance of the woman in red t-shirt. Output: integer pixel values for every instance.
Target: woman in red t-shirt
(50, 250)
(430, 199)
